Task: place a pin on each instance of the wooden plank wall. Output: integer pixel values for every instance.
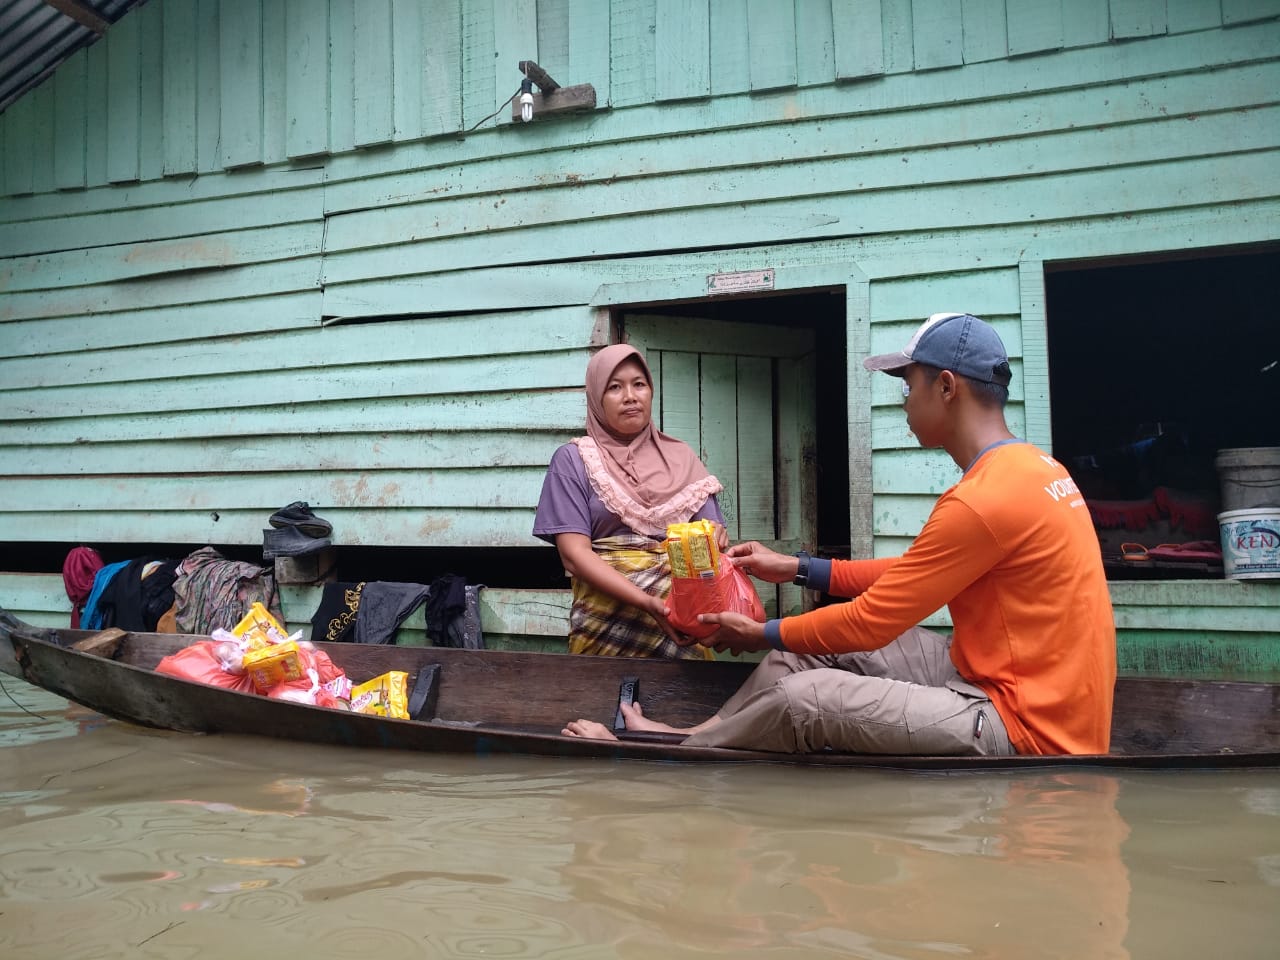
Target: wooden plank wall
(199, 210)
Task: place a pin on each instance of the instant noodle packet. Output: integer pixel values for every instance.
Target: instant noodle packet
(384, 696)
(277, 663)
(691, 548)
(259, 629)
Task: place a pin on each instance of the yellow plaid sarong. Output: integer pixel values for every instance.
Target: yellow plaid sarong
(602, 625)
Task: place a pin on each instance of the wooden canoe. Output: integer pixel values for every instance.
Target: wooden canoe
(508, 702)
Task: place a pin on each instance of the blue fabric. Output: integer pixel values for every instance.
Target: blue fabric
(91, 619)
(819, 577)
(773, 633)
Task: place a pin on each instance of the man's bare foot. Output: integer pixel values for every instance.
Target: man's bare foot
(633, 716)
(588, 730)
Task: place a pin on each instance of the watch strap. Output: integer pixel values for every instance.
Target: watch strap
(802, 570)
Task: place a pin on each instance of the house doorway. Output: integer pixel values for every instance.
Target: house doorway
(741, 379)
(1154, 366)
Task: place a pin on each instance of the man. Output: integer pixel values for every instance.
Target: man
(1010, 549)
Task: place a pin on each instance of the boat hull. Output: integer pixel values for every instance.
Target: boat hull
(493, 702)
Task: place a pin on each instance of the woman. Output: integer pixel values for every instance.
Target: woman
(606, 502)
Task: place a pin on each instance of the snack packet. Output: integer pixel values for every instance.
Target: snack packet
(274, 664)
(258, 628)
(385, 696)
(691, 548)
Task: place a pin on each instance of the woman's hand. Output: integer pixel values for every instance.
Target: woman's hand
(763, 563)
(657, 609)
(722, 537)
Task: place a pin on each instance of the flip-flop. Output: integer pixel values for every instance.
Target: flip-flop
(1134, 553)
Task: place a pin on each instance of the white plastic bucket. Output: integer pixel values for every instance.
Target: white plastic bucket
(1250, 544)
(1249, 477)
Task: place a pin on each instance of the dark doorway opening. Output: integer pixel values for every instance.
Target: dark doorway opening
(1154, 367)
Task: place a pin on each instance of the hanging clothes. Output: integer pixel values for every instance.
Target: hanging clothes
(91, 619)
(384, 607)
(157, 592)
(212, 592)
(447, 602)
(78, 572)
(138, 595)
(335, 617)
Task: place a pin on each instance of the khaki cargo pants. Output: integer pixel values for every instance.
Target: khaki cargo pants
(905, 698)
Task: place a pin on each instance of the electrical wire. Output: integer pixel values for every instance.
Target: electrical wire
(498, 111)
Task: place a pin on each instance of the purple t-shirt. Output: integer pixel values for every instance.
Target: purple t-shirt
(569, 505)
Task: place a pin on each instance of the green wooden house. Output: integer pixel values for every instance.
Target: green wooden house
(258, 251)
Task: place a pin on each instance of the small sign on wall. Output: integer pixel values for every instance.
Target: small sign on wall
(740, 281)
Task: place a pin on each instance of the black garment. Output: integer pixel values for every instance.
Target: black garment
(446, 603)
(157, 593)
(121, 603)
(383, 607)
(335, 618)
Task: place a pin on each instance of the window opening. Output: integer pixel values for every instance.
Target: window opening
(1154, 367)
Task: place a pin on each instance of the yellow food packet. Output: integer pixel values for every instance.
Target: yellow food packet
(691, 548)
(384, 696)
(273, 664)
(258, 628)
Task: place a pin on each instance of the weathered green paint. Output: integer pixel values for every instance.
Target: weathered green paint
(938, 34)
(815, 42)
(588, 23)
(1034, 25)
(180, 90)
(240, 72)
(771, 44)
(306, 31)
(682, 39)
(858, 38)
(375, 94)
(155, 324)
(1203, 654)
(69, 125)
(984, 35)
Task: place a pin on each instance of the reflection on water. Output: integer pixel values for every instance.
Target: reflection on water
(119, 841)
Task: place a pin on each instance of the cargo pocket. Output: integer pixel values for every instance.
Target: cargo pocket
(945, 721)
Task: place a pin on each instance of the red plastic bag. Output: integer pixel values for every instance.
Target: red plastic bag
(204, 661)
(729, 590)
(200, 662)
(320, 684)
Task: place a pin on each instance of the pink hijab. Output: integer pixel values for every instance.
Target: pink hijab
(649, 480)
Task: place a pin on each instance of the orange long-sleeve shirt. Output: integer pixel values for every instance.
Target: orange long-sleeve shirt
(1012, 551)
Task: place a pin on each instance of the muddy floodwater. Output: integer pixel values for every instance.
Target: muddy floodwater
(116, 841)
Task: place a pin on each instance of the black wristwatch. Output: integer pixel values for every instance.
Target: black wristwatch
(802, 571)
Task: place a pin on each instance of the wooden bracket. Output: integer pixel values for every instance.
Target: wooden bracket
(560, 100)
(552, 98)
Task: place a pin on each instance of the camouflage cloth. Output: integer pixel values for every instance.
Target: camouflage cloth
(212, 592)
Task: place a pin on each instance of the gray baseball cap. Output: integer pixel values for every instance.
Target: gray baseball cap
(958, 342)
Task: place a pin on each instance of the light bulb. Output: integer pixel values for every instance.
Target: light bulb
(526, 106)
